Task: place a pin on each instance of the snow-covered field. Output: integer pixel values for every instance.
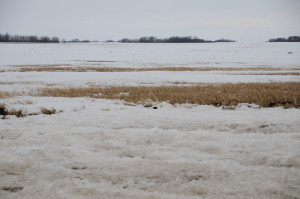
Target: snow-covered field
(97, 148)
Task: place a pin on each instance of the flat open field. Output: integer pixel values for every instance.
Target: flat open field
(114, 120)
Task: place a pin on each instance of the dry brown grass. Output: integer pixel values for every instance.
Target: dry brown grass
(263, 94)
(6, 83)
(24, 102)
(11, 94)
(61, 68)
(50, 69)
(48, 111)
(17, 113)
(5, 111)
(5, 94)
(280, 73)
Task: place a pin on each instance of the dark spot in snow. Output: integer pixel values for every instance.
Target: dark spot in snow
(272, 104)
(31, 114)
(285, 104)
(99, 61)
(78, 168)
(12, 189)
(193, 177)
(12, 174)
(263, 126)
(218, 104)
(3, 111)
(154, 107)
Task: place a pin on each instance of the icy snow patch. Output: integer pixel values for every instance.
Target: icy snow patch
(138, 152)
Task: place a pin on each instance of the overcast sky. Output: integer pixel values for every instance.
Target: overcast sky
(242, 20)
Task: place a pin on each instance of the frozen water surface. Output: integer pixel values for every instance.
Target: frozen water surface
(137, 55)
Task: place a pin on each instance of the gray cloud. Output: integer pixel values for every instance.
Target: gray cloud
(115, 19)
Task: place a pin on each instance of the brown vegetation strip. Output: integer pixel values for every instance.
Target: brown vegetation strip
(62, 68)
(5, 94)
(263, 94)
(283, 73)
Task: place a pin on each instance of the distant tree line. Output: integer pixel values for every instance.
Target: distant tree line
(27, 38)
(175, 39)
(289, 39)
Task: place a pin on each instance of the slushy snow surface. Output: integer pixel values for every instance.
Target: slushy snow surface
(97, 148)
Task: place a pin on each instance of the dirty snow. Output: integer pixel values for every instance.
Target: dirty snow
(97, 148)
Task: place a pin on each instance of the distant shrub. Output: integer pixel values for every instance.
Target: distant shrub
(79, 41)
(289, 39)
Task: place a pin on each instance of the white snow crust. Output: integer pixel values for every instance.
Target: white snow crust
(138, 55)
(97, 148)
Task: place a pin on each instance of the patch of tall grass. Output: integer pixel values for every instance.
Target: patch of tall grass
(67, 68)
(263, 94)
